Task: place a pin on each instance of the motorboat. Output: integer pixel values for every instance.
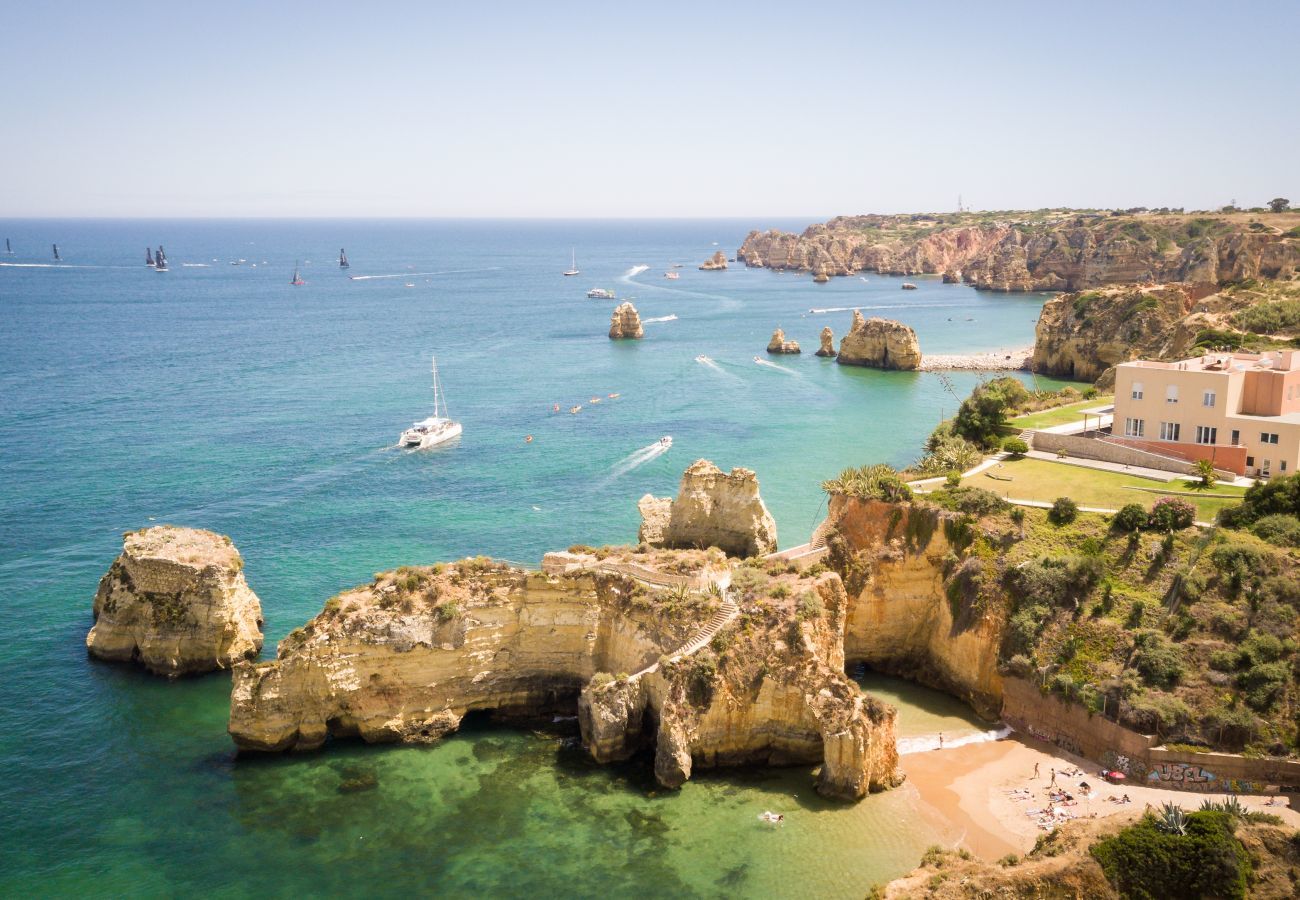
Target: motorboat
(436, 429)
(673, 275)
(600, 293)
(706, 359)
(666, 441)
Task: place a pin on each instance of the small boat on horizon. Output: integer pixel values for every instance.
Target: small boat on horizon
(148, 257)
(436, 429)
(600, 293)
(343, 259)
(573, 263)
(57, 258)
(160, 260)
(297, 279)
(673, 275)
(908, 286)
(9, 251)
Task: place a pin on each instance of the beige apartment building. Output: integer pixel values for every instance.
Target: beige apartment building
(1239, 410)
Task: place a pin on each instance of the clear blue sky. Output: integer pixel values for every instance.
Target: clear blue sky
(655, 109)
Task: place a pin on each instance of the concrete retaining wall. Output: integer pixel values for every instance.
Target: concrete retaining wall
(1092, 448)
(1073, 729)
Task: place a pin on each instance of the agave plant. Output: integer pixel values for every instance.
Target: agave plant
(1172, 819)
(1230, 805)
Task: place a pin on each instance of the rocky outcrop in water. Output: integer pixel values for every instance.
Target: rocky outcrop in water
(1055, 251)
(625, 323)
(717, 261)
(778, 343)
(712, 509)
(176, 602)
(879, 344)
(403, 659)
(828, 342)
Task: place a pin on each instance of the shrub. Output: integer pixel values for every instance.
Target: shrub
(446, 612)
(1265, 498)
(1278, 528)
(1236, 561)
(1263, 684)
(600, 679)
(1157, 660)
(1171, 514)
(952, 480)
(1261, 647)
(874, 482)
(974, 500)
(1063, 511)
(1017, 447)
(982, 416)
(1131, 517)
(948, 452)
(1058, 581)
(810, 605)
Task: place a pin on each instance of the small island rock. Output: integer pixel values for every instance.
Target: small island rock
(712, 509)
(779, 344)
(717, 261)
(880, 344)
(828, 342)
(625, 323)
(176, 602)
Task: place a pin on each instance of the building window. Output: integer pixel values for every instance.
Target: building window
(1267, 438)
(1137, 390)
(1171, 394)
(1206, 434)
(1168, 431)
(1250, 460)
(1207, 399)
(1135, 427)
(1236, 438)
(1281, 467)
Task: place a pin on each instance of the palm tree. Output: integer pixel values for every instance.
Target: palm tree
(1205, 471)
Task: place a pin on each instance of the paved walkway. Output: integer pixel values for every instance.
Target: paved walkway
(722, 616)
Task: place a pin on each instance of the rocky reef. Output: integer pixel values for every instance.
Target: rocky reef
(827, 347)
(625, 323)
(1058, 250)
(712, 509)
(753, 674)
(880, 344)
(176, 602)
(717, 261)
(778, 343)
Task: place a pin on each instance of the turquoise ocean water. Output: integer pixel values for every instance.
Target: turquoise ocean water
(221, 397)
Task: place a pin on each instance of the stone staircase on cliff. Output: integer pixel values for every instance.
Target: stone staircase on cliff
(722, 616)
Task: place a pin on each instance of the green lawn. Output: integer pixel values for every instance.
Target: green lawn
(1059, 415)
(1038, 479)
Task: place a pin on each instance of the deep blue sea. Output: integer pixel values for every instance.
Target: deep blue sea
(221, 397)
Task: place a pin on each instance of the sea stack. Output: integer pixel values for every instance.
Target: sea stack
(713, 509)
(779, 344)
(625, 323)
(717, 261)
(951, 277)
(821, 277)
(828, 342)
(176, 602)
(880, 344)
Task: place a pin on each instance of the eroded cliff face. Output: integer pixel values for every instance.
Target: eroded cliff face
(712, 509)
(176, 602)
(879, 344)
(1084, 335)
(1062, 252)
(625, 323)
(901, 619)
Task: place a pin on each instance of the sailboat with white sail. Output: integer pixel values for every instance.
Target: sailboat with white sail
(573, 263)
(436, 429)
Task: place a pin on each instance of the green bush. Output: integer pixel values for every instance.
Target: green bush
(1017, 447)
(952, 480)
(1278, 528)
(1058, 581)
(1131, 517)
(1063, 511)
(1157, 660)
(1269, 318)
(1265, 498)
(983, 415)
(967, 499)
(1146, 863)
(948, 452)
(1263, 684)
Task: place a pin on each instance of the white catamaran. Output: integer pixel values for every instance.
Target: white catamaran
(437, 428)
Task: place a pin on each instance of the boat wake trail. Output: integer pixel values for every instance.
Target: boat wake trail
(817, 311)
(634, 459)
(632, 273)
(924, 742)
(671, 318)
(423, 274)
(772, 365)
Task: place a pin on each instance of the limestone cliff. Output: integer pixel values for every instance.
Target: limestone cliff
(880, 344)
(625, 323)
(717, 261)
(176, 602)
(404, 658)
(1083, 335)
(1055, 250)
(778, 343)
(901, 619)
(712, 509)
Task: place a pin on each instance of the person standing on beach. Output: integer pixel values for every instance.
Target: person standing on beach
(941, 740)
(1053, 778)
(1035, 770)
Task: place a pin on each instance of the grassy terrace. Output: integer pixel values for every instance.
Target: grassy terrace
(1036, 479)
(1059, 415)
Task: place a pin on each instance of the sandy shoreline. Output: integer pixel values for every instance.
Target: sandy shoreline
(1003, 360)
(969, 788)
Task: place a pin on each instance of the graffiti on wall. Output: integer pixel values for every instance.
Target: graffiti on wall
(1183, 775)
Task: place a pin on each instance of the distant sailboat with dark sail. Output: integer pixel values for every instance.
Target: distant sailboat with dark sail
(9, 251)
(57, 258)
(160, 260)
(297, 279)
(148, 257)
(343, 260)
